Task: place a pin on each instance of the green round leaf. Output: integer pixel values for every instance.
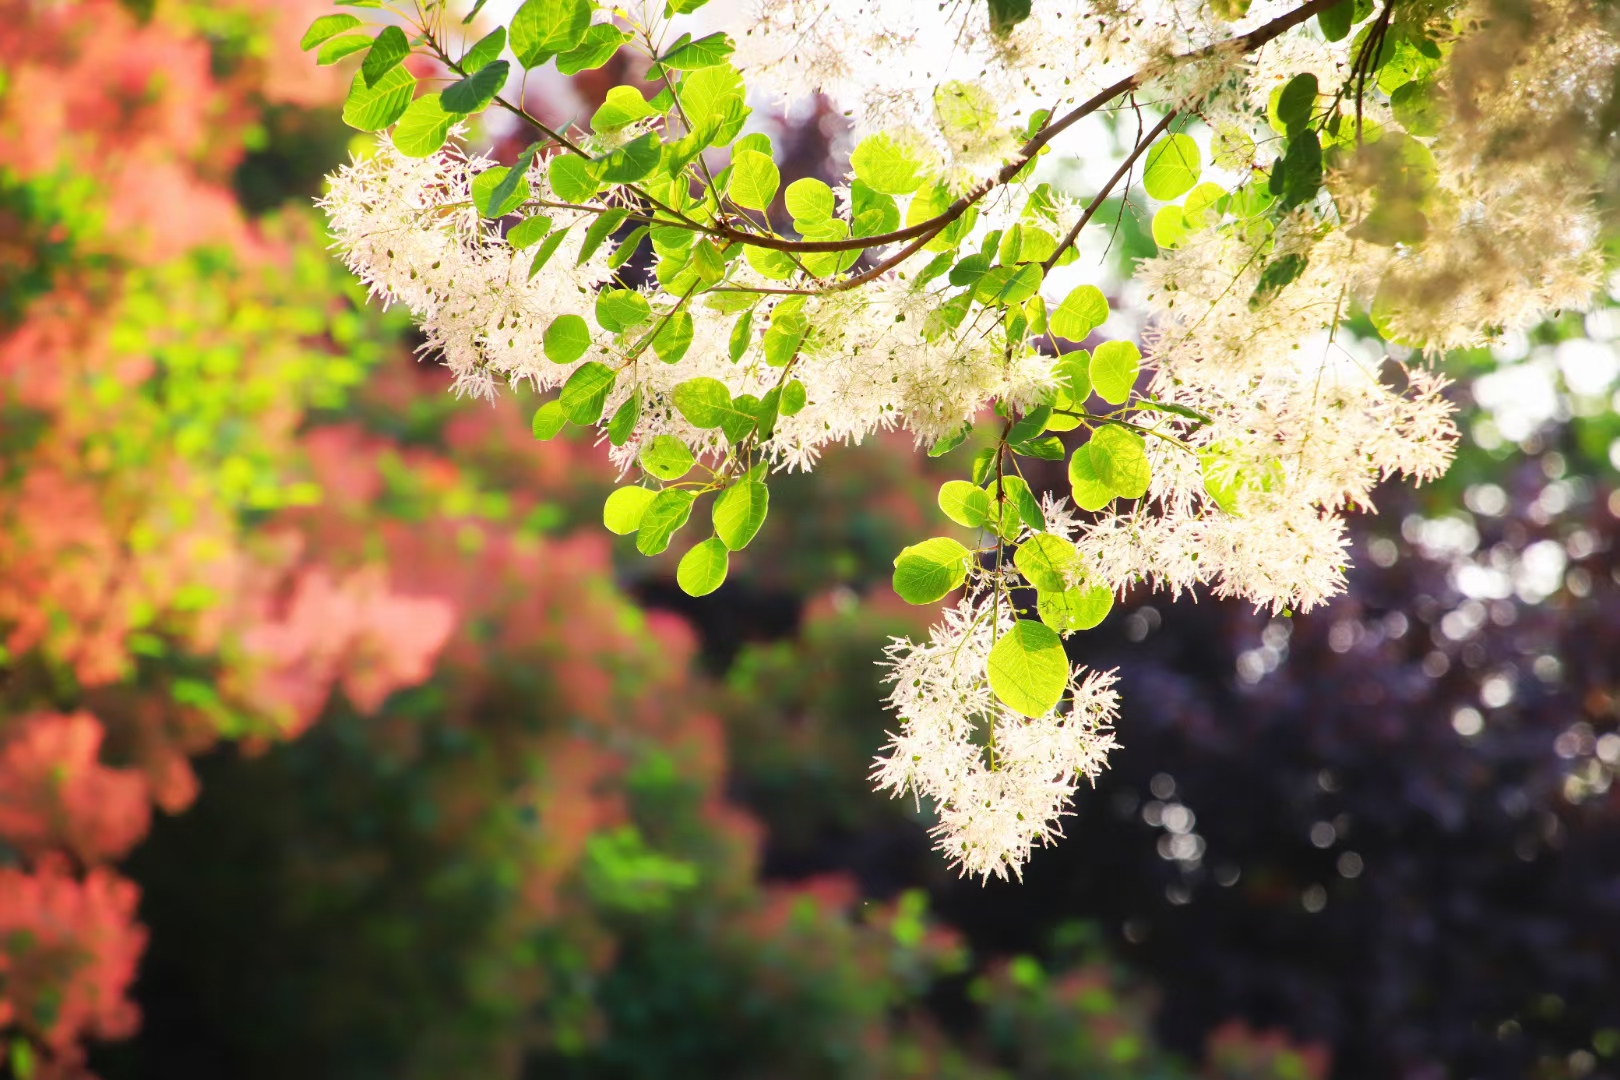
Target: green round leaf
(484, 187)
(809, 200)
(1022, 499)
(620, 309)
(1114, 368)
(1296, 101)
(571, 178)
(624, 105)
(1047, 562)
(739, 422)
(632, 161)
(566, 339)
(488, 48)
(1082, 311)
(703, 401)
(375, 106)
(703, 569)
(965, 111)
(1075, 371)
(528, 232)
(1232, 148)
(548, 420)
(739, 511)
(624, 419)
(1335, 22)
(1075, 609)
(1170, 226)
(705, 52)
(1222, 483)
(325, 27)
(423, 128)
(1005, 286)
(754, 180)
(1090, 492)
(1173, 166)
(624, 508)
(543, 28)
(586, 391)
(662, 519)
(477, 90)
(883, 165)
(339, 47)
(769, 263)
(1120, 458)
(926, 572)
(601, 41)
(666, 457)
(794, 398)
(1028, 668)
(965, 503)
(1199, 199)
(1416, 108)
(674, 337)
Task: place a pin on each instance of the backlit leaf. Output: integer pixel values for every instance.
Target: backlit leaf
(1028, 668)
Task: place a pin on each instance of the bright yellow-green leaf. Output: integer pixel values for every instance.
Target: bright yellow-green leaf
(1028, 668)
(1075, 609)
(885, 166)
(1172, 167)
(1082, 311)
(623, 510)
(1090, 491)
(325, 27)
(543, 28)
(1114, 368)
(703, 401)
(754, 180)
(548, 420)
(423, 128)
(374, 107)
(1170, 226)
(662, 519)
(674, 337)
(471, 94)
(666, 457)
(624, 105)
(1047, 562)
(739, 511)
(586, 391)
(339, 47)
(1120, 459)
(528, 232)
(571, 177)
(926, 572)
(566, 339)
(483, 191)
(964, 503)
(703, 569)
(809, 200)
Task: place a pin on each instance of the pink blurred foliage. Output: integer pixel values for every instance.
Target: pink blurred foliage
(54, 792)
(347, 629)
(133, 115)
(72, 949)
(133, 104)
(352, 598)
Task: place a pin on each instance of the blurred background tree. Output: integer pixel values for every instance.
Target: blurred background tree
(443, 791)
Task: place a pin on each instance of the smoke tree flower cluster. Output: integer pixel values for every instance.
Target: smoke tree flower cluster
(1328, 177)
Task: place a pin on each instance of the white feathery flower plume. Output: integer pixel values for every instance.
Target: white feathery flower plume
(1000, 781)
